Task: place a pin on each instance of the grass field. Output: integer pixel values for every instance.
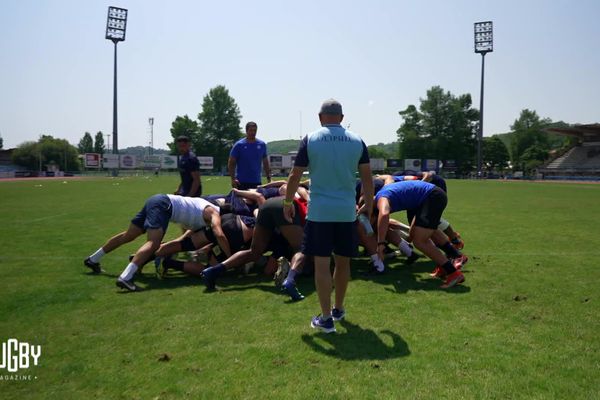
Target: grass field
(526, 323)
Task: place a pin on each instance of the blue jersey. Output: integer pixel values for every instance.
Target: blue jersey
(248, 158)
(405, 195)
(187, 164)
(332, 155)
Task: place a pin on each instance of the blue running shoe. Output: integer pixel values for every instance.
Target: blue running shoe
(291, 289)
(209, 275)
(338, 315)
(324, 325)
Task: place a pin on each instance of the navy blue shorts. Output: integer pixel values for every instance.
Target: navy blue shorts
(323, 238)
(155, 214)
(248, 185)
(269, 192)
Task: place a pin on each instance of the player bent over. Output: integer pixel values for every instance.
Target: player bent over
(153, 219)
(431, 177)
(237, 228)
(270, 218)
(425, 203)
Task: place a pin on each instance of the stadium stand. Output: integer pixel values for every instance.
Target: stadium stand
(581, 161)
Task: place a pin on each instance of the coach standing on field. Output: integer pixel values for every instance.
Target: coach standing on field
(189, 169)
(246, 158)
(332, 155)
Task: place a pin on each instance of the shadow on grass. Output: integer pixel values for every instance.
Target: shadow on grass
(240, 283)
(407, 278)
(358, 343)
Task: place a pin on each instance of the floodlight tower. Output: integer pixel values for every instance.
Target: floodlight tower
(116, 24)
(484, 43)
(151, 123)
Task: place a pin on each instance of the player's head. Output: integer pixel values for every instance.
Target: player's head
(331, 112)
(251, 128)
(183, 144)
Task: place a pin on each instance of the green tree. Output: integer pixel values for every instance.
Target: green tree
(86, 144)
(47, 150)
(377, 151)
(532, 158)
(444, 127)
(1, 142)
(219, 126)
(184, 126)
(99, 143)
(528, 132)
(495, 154)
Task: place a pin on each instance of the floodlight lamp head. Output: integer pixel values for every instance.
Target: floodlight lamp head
(484, 37)
(116, 24)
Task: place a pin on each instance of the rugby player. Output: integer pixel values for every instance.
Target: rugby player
(153, 219)
(425, 204)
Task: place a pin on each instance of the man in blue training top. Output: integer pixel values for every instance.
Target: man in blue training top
(246, 158)
(332, 155)
(424, 203)
(189, 169)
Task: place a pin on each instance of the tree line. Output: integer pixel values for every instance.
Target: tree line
(445, 126)
(89, 145)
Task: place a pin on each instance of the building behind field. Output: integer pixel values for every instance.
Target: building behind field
(581, 161)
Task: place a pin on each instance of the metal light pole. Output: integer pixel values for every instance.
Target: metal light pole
(484, 43)
(116, 24)
(151, 123)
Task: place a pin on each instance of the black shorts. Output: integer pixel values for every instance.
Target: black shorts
(429, 213)
(439, 182)
(232, 229)
(323, 238)
(279, 246)
(270, 214)
(155, 214)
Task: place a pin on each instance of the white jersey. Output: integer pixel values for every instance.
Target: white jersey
(189, 211)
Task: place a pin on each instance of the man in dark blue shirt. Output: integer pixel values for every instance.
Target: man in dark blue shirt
(246, 158)
(189, 169)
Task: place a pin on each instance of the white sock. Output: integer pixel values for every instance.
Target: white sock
(377, 262)
(405, 248)
(97, 255)
(128, 273)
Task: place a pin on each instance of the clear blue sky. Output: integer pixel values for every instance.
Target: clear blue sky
(280, 59)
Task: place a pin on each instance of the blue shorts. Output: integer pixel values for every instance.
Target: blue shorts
(269, 192)
(248, 185)
(323, 238)
(155, 214)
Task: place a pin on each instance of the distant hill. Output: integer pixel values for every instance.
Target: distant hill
(141, 151)
(282, 146)
(390, 150)
(285, 146)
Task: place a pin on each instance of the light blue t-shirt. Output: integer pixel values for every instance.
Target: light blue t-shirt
(248, 158)
(332, 155)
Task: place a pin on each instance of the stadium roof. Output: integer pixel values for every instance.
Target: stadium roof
(581, 131)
